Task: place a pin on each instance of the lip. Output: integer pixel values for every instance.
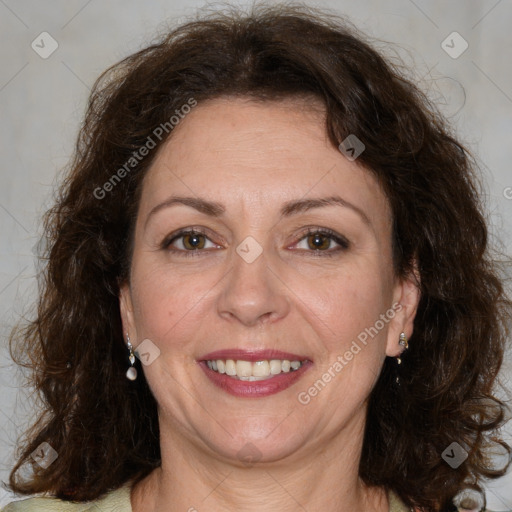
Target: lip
(252, 355)
(259, 388)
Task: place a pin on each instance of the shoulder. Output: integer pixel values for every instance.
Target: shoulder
(48, 505)
(114, 501)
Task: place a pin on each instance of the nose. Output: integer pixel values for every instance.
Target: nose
(253, 293)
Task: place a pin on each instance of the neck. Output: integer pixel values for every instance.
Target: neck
(315, 479)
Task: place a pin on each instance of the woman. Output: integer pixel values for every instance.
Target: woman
(286, 235)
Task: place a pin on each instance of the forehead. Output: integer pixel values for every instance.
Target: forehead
(238, 150)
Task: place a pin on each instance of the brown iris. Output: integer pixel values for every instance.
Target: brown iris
(318, 241)
(193, 241)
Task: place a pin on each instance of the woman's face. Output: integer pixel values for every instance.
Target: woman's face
(287, 258)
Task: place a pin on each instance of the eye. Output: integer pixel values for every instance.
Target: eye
(322, 241)
(189, 240)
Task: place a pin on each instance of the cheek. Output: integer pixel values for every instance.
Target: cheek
(349, 309)
(348, 321)
(164, 300)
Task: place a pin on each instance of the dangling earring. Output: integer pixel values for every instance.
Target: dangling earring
(131, 373)
(403, 342)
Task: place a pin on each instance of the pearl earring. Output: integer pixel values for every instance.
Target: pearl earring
(131, 373)
(403, 342)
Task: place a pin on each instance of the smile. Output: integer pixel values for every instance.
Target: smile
(253, 371)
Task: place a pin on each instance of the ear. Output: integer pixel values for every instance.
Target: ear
(406, 297)
(126, 308)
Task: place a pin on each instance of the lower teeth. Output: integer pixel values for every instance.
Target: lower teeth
(252, 378)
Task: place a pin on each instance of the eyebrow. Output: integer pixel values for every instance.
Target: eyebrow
(290, 208)
(210, 208)
(303, 205)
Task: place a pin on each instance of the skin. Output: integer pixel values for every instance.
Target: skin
(253, 157)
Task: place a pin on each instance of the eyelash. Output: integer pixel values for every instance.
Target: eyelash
(328, 233)
(181, 233)
(342, 242)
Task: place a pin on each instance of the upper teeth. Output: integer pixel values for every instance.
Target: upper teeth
(257, 370)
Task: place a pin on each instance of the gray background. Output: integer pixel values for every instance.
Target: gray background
(42, 102)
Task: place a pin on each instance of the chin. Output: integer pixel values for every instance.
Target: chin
(250, 446)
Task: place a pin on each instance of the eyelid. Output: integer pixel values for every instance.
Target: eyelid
(328, 233)
(168, 240)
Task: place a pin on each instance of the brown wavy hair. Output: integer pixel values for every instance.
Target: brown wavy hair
(105, 427)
